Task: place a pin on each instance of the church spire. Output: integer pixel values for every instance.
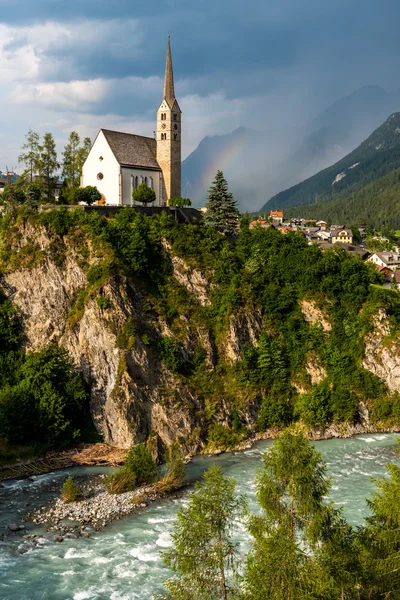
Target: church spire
(169, 92)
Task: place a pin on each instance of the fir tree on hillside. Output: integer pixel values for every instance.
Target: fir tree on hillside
(222, 212)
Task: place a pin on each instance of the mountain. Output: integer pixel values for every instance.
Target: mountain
(259, 164)
(377, 204)
(378, 155)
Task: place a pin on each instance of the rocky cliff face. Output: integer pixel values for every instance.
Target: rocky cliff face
(382, 353)
(132, 393)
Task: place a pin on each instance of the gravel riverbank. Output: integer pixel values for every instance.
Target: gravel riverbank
(97, 508)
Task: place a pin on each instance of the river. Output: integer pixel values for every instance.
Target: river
(122, 562)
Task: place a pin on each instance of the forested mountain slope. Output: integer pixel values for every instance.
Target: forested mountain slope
(179, 334)
(376, 205)
(377, 156)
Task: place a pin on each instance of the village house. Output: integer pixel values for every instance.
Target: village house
(344, 236)
(321, 224)
(276, 216)
(389, 260)
(119, 162)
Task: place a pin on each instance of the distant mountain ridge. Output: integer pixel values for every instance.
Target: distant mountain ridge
(377, 156)
(259, 164)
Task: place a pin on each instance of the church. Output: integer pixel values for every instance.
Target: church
(118, 162)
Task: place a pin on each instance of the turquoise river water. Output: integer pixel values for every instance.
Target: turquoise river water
(122, 562)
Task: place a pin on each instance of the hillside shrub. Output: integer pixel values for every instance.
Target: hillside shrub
(274, 412)
(141, 464)
(120, 482)
(314, 409)
(70, 491)
(224, 437)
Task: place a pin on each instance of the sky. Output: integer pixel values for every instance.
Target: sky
(85, 64)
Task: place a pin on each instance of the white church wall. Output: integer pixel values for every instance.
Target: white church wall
(153, 180)
(102, 161)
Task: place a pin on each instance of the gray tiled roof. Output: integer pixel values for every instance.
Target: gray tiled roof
(132, 150)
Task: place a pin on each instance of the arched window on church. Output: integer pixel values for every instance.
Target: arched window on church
(163, 136)
(163, 116)
(151, 183)
(175, 116)
(146, 180)
(175, 136)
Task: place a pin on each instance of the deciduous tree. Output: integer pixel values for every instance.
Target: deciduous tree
(203, 555)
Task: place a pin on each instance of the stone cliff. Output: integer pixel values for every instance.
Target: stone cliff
(132, 394)
(111, 331)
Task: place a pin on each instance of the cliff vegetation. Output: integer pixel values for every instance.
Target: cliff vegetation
(172, 331)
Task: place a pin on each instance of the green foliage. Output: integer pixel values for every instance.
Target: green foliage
(175, 468)
(70, 491)
(223, 437)
(222, 212)
(274, 412)
(126, 337)
(314, 409)
(203, 555)
(46, 402)
(120, 481)
(290, 489)
(48, 166)
(88, 195)
(103, 302)
(170, 354)
(179, 202)
(141, 464)
(143, 194)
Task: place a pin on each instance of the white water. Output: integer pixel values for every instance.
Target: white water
(122, 562)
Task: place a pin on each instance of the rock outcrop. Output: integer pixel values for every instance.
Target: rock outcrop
(382, 353)
(132, 393)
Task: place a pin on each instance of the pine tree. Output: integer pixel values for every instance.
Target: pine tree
(48, 165)
(31, 156)
(203, 553)
(222, 212)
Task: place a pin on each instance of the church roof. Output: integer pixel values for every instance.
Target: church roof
(132, 150)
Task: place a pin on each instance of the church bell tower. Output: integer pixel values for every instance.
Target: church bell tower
(169, 135)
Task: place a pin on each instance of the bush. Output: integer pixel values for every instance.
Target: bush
(170, 355)
(175, 468)
(274, 412)
(46, 402)
(126, 337)
(223, 437)
(141, 464)
(314, 408)
(103, 302)
(70, 491)
(119, 482)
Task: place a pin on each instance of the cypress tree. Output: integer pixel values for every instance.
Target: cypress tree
(222, 212)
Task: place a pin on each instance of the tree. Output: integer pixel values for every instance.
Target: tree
(48, 165)
(382, 537)
(143, 194)
(71, 162)
(179, 202)
(30, 155)
(89, 195)
(222, 213)
(46, 402)
(83, 153)
(203, 553)
(290, 489)
(140, 462)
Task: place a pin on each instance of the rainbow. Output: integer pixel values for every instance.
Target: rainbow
(222, 161)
